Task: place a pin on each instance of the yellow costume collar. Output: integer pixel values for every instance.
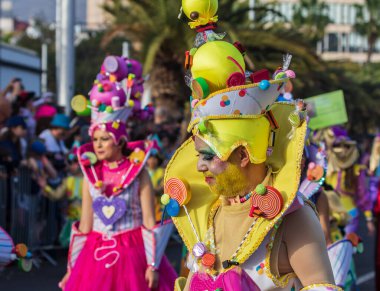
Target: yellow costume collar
(285, 162)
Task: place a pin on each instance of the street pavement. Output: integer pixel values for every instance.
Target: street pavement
(47, 276)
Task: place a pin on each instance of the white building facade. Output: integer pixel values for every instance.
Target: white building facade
(341, 41)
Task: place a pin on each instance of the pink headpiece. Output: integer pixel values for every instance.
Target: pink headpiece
(110, 109)
(114, 97)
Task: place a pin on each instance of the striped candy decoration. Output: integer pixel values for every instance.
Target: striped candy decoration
(6, 248)
(155, 241)
(77, 243)
(340, 255)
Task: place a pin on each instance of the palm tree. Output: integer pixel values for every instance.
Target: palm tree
(310, 17)
(159, 40)
(368, 23)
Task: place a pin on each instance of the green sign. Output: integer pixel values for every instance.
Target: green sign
(326, 110)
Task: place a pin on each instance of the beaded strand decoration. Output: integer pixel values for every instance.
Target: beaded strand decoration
(228, 263)
(245, 197)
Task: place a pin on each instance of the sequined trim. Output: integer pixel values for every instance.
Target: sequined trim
(174, 219)
(328, 287)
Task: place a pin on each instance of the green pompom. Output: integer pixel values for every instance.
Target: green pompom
(165, 199)
(261, 189)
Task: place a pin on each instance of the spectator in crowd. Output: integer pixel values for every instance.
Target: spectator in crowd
(23, 106)
(45, 109)
(161, 115)
(169, 144)
(54, 140)
(5, 111)
(41, 167)
(12, 90)
(12, 139)
(71, 190)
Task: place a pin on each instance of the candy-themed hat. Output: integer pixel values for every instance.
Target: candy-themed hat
(111, 105)
(230, 108)
(114, 97)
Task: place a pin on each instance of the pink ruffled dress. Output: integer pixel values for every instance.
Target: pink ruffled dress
(113, 256)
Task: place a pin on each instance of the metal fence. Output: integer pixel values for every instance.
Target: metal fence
(3, 196)
(33, 218)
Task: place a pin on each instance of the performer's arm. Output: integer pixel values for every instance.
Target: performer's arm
(147, 200)
(86, 218)
(147, 206)
(306, 248)
(324, 215)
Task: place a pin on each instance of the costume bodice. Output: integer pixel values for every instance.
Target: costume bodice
(130, 219)
(258, 269)
(254, 274)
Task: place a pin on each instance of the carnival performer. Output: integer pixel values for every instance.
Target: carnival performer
(232, 188)
(348, 177)
(340, 246)
(314, 165)
(116, 245)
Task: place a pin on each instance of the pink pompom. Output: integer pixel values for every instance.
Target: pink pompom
(311, 166)
(290, 74)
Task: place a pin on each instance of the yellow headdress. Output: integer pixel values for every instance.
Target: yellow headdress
(232, 108)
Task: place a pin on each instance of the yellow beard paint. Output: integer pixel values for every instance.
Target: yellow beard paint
(229, 183)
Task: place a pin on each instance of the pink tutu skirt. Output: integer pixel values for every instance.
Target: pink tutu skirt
(125, 256)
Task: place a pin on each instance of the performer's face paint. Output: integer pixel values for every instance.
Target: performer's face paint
(223, 177)
(104, 146)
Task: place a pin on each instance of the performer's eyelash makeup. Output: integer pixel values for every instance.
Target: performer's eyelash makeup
(206, 155)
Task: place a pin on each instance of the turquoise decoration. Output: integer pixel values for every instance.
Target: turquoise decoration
(264, 85)
(173, 208)
(102, 107)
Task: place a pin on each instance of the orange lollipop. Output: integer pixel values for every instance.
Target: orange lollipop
(21, 250)
(178, 189)
(315, 172)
